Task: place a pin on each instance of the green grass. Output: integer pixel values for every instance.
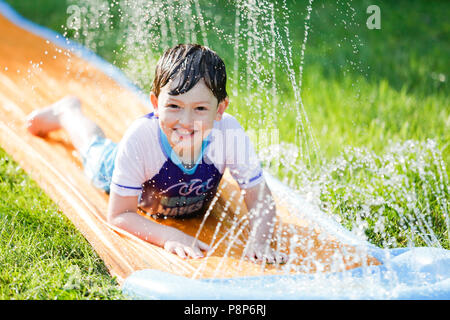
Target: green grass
(374, 99)
(42, 255)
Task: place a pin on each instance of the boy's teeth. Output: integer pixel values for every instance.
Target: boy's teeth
(185, 132)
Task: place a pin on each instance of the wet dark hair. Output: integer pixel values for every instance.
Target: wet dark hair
(190, 63)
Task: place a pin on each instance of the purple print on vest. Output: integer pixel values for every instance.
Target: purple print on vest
(174, 193)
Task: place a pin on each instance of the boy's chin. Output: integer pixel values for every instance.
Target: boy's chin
(186, 146)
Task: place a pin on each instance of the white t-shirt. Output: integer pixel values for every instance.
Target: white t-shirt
(146, 165)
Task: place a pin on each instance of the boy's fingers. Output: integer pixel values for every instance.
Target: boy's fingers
(268, 258)
(194, 252)
(180, 252)
(278, 257)
(184, 251)
(251, 255)
(282, 258)
(203, 246)
(259, 256)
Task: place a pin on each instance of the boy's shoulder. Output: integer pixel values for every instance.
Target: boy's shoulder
(149, 120)
(144, 126)
(227, 122)
(227, 117)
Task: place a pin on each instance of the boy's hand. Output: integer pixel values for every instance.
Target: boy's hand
(185, 246)
(262, 215)
(265, 254)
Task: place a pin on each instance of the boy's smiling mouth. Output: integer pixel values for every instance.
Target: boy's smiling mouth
(184, 133)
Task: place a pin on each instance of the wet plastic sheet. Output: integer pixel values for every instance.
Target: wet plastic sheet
(405, 273)
(416, 273)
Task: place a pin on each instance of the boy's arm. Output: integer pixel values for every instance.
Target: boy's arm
(122, 214)
(262, 214)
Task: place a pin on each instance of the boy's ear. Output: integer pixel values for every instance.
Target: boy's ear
(154, 100)
(223, 105)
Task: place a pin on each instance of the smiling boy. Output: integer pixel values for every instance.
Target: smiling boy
(170, 162)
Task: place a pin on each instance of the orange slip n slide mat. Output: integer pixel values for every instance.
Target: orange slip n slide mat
(39, 67)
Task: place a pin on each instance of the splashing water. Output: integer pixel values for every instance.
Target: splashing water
(395, 199)
(404, 189)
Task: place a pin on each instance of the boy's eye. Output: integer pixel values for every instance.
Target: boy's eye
(200, 108)
(172, 106)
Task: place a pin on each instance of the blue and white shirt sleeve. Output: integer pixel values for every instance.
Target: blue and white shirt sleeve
(241, 158)
(130, 166)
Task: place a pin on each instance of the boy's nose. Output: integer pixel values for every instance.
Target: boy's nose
(186, 118)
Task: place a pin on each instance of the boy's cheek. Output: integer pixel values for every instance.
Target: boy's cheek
(166, 123)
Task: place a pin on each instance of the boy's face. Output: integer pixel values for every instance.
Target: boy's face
(187, 118)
